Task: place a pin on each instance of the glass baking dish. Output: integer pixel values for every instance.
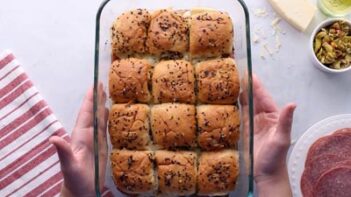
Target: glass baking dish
(237, 10)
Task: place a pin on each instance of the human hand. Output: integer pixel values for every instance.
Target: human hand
(272, 128)
(77, 157)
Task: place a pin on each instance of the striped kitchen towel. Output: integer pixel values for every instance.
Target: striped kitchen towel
(29, 165)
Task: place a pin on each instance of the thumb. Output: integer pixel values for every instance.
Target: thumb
(285, 123)
(64, 151)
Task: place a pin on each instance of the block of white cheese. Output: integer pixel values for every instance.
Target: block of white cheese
(299, 13)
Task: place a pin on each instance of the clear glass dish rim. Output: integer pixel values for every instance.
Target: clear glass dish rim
(95, 95)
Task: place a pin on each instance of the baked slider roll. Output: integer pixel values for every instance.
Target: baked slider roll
(173, 125)
(217, 172)
(129, 126)
(218, 126)
(217, 81)
(176, 173)
(133, 171)
(129, 32)
(173, 81)
(128, 80)
(211, 34)
(168, 34)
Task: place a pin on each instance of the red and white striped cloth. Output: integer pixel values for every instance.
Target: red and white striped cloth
(29, 165)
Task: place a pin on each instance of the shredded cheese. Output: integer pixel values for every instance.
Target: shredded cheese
(260, 12)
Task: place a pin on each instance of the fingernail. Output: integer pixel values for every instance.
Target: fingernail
(292, 106)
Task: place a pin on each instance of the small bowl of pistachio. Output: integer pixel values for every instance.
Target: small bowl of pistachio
(331, 45)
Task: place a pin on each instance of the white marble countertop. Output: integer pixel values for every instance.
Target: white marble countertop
(54, 40)
(290, 75)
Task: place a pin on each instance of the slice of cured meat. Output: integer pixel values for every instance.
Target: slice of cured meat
(315, 168)
(326, 153)
(343, 131)
(306, 185)
(338, 144)
(336, 182)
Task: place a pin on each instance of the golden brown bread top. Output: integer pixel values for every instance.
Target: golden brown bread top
(218, 126)
(217, 81)
(129, 126)
(168, 32)
(129, 32)
(173, 81)
(176, 172)
(133, 171)
(173, 125)
(211, 34)
(128, 80)
(218, 172)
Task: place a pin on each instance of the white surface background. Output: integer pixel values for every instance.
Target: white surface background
(54, 40)
(290, 75)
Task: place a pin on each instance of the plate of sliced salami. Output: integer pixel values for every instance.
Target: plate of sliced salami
(320, 162)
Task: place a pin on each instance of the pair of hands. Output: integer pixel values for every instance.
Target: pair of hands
(271, 136)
